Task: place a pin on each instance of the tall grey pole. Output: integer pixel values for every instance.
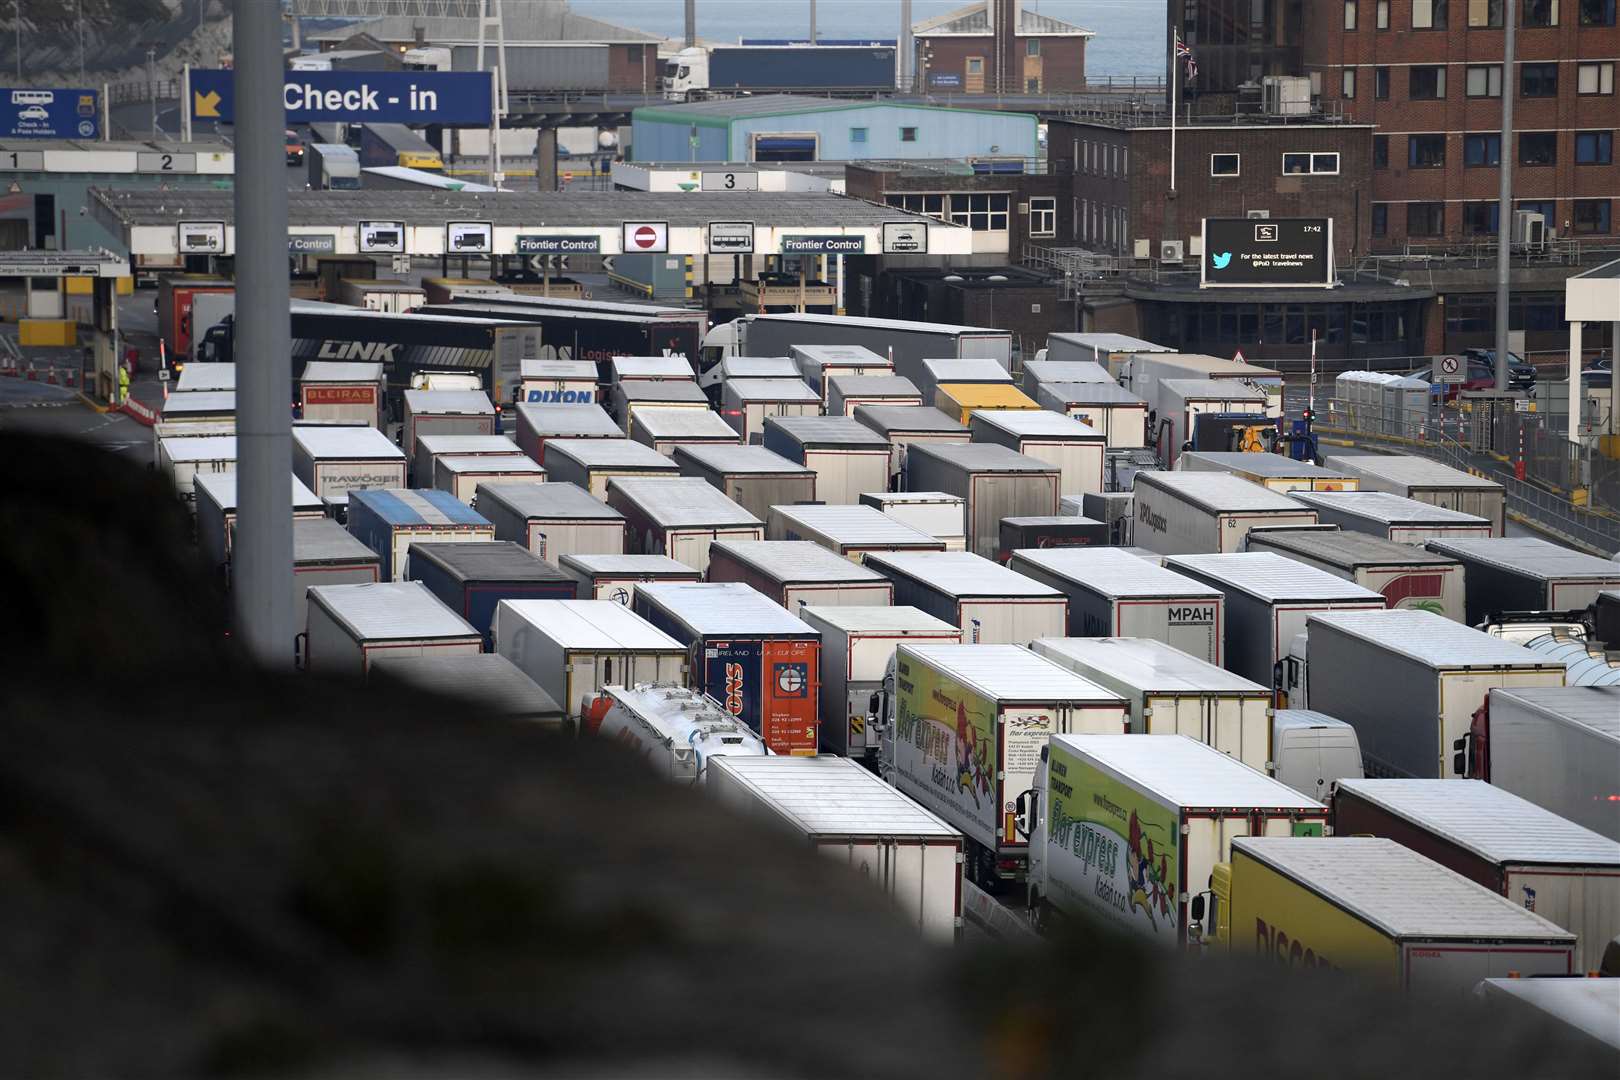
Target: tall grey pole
(691, 23)
(262, 572)
(812, 22)
(1504, 211)
(151, 86)
(80, 6)
(16, 11)
(908, 49)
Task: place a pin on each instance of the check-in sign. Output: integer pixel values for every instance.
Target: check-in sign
(558, 245)
(823, 245)
(731, 238)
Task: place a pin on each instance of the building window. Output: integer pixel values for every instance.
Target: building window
(1225, 165)
(1032, 47)
(1426, 83)
(1595, 78)
(1592, 216)
(1538, 148)
(1484, 13)
(975, 65)
(1381, 83)
(1428, 14)
(1594, 148)
(1310, 164)
(1540, 12)
(1043, 216)
(1538, 80)
(1426, 151)
(1347, 84)
(1325, 164)
(1547, 208)
(1482, 150)
(632, 53)
(917, 203)
(857, 135)
(1350, 14)
(1480, 218)
(1380, 151)
(1484, 80)
(1380, 219)
(1426, 219)
(1597, 12)
(982, 213)
(1125, 162)
(1381, 16)
(908, 134)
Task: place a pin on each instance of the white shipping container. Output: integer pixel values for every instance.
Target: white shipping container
(349, 624)
(987, 601)
(1191, 513)
(573, 648)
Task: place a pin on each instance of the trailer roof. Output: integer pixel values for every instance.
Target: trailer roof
(358, 443)
(1088, 393)
(206, 448)
(1012, 673)
(1272, 578)
(1037, 423)
(867, 619)
(490, 683)
(1595, 707)
(746, 390)
(199, 403)
(1270, 465)
(559, 369)
(1528, 555)
(1110, 342)
(448, 402)
(416, 506)
(1186, 773)
(197, 378)
(1148, 665)
(592, 625)
(966, 369)
(895, 386)
(653, 565)
(1347, 548)
(611, 453)
(493, 560)
(961, 574)
(1114, 573)
(1229, 389)
(1205, 362)
(890, 420)
(685, 717)
(662, 390)
(827, 432)
(466, 445)
(891, 498)
(1409, 469)
(722, 608)
(322, 540)
(682, 501)
(797, 561)
(739, 458)
(220, 488)
(341, 371)
(837, 355)
(902, 325)
(1220, 493)
(1395, 889)
(832, 796)
(553, 501)
(490, 463)
(1588, 1005)
(758, 367)
(1433, 639)
(983, 458)
(677, 367)
(1064, 371)
(1386, 508)
(391, 611)
(1492, 822)
(673, 421)
(560, 421)
(857, 525)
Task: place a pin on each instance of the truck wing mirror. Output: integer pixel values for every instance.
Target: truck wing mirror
(1196, 908)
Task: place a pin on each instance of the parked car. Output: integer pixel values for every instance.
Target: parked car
(295, 148)
(1521, 376)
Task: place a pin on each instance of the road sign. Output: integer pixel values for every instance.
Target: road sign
(730, 181)
(823, 245)
(469, 237)
(905, 238)
(1275, 253)
(542, 263)
(645, 236)
(50, 113)
(452, 98)
(382, 237)
(22, 161)
(731, 237)
(1449, 369)
(558, 245)
(311, 243)
(200, 237)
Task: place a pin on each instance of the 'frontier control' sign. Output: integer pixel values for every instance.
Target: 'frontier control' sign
(1267, 253)
(823, 245)
(534, 244)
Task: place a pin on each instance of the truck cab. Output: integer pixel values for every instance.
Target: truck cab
(686, 71)
(1290, 680)
(1210, 912)
(718, 344)
(1031, 825)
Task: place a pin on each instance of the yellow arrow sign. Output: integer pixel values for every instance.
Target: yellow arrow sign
(207, 104)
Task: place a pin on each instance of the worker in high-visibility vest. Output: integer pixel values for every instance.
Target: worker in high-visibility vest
(123, 383)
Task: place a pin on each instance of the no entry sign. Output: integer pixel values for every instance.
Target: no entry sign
(645, 236)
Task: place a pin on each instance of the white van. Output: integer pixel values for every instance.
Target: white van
(1311, 750)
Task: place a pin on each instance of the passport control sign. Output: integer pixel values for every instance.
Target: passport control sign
(455, 99)
(1262, 253)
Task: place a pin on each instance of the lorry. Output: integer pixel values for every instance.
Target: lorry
(752, 476)
(342, 392)
(594, 463)
(489, 687)
(745, 403)
(844, 813)
(630, 399)
(857, 655)
(1406, 576)
(818, 364)
(396, 144)
(1370, 906)
(574, 648)
(176, 293)
(1191, 513)
(325, 553)
(664, 427)
(1171, 693)
(905, 426)
(202, 378)
(445, 412)
(429, 448)
(961, 401)
(676, 731)
(990, 603)
(347, 625)
(679, 517)
(1142, 372)
(1526, 573)
(215, 498)
(201, 407)
(797, 572)
(181, 461)
(995, 482)
(1585, 1013)
(1112, 593)
(1427, 481)
(1564, 872)
(333, 461)
(536, 424)
(1269, 600)
(332, 167)
(940, 371)
(551, 520)
(1109, 350)
(381, 295)
(940, 515)
(1178, 405)
(1311, 751)
(558, 382)
(472, 578)
(1392, 517)
(761, 663)
(847, 456)
(1073, 447)
(615, 577)
(758, 69)
(1112, 411)
(461, 475)
(904, 342)
(1049, 531)
(390, 521)
(1039, 372)
(1126, 829)
(845, 392)
(851, 532)
(969, 726)
(1555, 746)
(623, 369)
(1272, 471)
(1432, 676)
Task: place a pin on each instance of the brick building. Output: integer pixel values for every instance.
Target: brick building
(1005, 210)
(1022, 302)
(1237, 42)
(997, 46)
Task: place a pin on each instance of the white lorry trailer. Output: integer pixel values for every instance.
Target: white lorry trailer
(615, 577)
(852, 532)
(347, 625)
(1526, 573)
(551, 520)
(1112, 411)
(988, 602)
(342, 392)
(333, 461)
(754, 477)
(1392, 517)
(1075, 449)
(994, 481)
(847, 456)
(1406, 576)
(797, 572)
(819, 364)
(906, 426)
(1273, 471)
(679, 517)
(573, 648)
(1557, 747)
(676, 731)
(936, 513)
(1427, 481)
(592, 463)
(430, 447)
(1192, 513)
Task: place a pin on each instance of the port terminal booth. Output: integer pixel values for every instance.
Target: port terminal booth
(49, 277)
(1594, 297)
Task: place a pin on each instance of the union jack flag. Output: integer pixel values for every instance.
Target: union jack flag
(1184, 54)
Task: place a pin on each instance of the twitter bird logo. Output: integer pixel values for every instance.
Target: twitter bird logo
(1221, 260)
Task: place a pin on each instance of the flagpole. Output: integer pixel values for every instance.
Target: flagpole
(1175, 103)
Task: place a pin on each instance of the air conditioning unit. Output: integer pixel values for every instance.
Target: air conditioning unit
(1257, 213)
(1286, 95)
(1144, 249)
(1529, 229)
(1170, 251)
